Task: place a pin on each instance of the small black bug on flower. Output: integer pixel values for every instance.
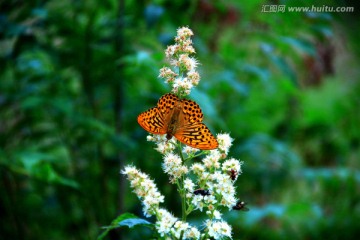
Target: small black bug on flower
(233, 174)
(240, 206)
(202, 192)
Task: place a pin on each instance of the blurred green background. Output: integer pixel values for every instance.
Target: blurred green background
(75, 75)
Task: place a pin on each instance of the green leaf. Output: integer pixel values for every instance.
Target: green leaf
(38, 165)
(125, 220)
(133, 222)
(299, 44)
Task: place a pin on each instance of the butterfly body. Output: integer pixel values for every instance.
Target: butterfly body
(180, 118)
(173, 123)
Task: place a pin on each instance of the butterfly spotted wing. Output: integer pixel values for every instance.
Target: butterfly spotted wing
(191, 131)
(155, 119)
(152, 121)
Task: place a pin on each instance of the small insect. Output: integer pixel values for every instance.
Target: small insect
(233, 174)
(240, 206)
(202, 192)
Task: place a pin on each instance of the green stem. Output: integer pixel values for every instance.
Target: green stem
(183, 205)
(180, 151)
(182, 234)
(197, 155)
(182, 189)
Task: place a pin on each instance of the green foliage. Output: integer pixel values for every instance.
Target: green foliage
(75, 74)
(125, 220)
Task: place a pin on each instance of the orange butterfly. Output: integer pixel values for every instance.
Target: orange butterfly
(180, 118)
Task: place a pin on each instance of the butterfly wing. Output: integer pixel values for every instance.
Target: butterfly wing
(156, 119)
(167, 103)
(196, 135)
(191, 112)
(152, 121)
(191, 131)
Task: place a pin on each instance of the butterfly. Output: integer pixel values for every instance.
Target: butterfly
(180, 118)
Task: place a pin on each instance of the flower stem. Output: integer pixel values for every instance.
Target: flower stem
(183, 204)
(181, 187)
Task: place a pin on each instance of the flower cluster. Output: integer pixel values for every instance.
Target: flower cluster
(163, 145)
(214, 174)
(183, 75)
(213, 178)
(173, 166)
(145, 189)
(218, 229)
(206, 185)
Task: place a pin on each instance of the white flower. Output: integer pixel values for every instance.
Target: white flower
(192, 64)
(210, 200)
(163, 145)
(145, 189)
(183, 76)
(164, 222)
(189, 185)
(189, 63)
(232, 165)
(217, 214)
(197, 202)
(170, 51)
(212, 160)
(198, 168)
(224, 188)
(186, 84)
(194, 77)
(190, 150)
(218, 229)
(168, 74)
(150, 138)
(184, 228)
(184, 32)
(192, 233)
(182, 84)
(179, 227)
(225, 142)
(172, 165)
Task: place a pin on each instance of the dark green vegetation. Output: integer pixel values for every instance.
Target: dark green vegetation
(75, 74)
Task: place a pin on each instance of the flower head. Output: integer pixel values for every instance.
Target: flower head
(173, 166)
(232, 165)
(183, 77)
(168, 74)
(165, 221)
(184, 33)
(190, 150)
(162, 144)
(189, 185)
(218, 229)
(212, 160)
(145, 189)
(198, 169)
(225, 142)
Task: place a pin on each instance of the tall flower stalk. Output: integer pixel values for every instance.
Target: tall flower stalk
(206, 185)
